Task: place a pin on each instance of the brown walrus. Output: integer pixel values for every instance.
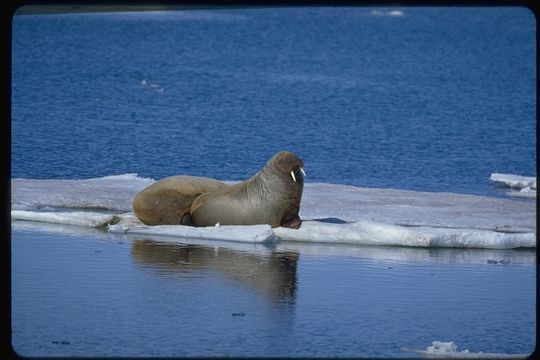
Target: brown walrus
(272, 196)
(168, 201)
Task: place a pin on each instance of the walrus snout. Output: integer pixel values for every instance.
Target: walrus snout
(289, 164)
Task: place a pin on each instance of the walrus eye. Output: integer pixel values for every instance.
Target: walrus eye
(293, 177)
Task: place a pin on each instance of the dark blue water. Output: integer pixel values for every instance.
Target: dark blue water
(436, 99)
(115, 295)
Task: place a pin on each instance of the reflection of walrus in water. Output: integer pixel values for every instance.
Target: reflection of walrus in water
(273, 275)
(272, 196)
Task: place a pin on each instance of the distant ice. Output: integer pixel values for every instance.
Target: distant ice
(442, 349)
(514, 181)
(152, 86)
(387, 13)
(335, 214)
(521, 186)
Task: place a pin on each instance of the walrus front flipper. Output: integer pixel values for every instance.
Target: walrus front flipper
(168, 201)
(187, 220)
(293, 222)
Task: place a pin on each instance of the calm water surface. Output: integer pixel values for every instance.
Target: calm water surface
(98, 294)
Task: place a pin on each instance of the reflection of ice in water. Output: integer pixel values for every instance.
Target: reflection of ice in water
(386, 254)
(367, 216)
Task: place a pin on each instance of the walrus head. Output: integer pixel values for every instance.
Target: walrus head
(283, 179)
(289, 164)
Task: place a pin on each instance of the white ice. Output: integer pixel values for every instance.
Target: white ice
(443, 349)
(520, 186)
(77, 218)
(129, 224)
(152, 86)
(336, 214)
(387, 13)
(514, 181)
(373, 233)
(107, 193)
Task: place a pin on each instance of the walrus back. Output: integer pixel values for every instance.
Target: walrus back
(167, 201)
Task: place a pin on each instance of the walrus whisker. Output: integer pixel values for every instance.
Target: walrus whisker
(303, 172)
(293, 177)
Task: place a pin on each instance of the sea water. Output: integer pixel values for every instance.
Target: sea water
(423, 99)
(77, 293)
(433, 99)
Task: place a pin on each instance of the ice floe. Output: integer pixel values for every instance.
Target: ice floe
(241, 233)
(331, 213)
(448, 349)
(387, 13)
(520, 186)
(77, 218)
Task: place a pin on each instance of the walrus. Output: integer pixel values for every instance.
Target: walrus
(272, 196)
(168, 201)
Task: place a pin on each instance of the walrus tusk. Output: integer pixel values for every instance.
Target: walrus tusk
(293, 177)
(303, 172)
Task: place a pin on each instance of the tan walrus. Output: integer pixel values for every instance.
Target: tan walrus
(272, 196)
(168, 201)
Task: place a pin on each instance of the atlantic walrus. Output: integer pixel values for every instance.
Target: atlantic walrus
(272, 196)
(168, 201)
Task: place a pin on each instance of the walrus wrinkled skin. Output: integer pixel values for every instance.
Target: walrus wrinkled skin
(168, 201)
(272, 196)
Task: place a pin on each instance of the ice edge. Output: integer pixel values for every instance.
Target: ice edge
(356, 233)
